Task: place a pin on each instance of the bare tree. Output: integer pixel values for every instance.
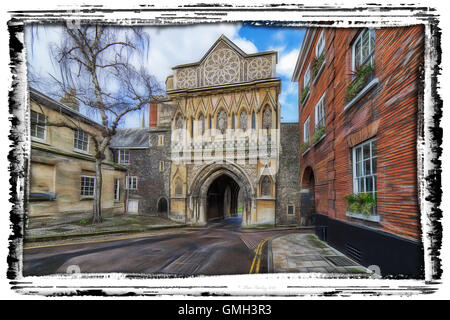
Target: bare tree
(104, 69)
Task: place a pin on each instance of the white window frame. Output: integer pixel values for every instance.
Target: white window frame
(124, 152)
(373, 171)
(134, 182)
(307, 78)
(161, 166)
(306, 131)
(160, 140)
(83, 188)
(293, 210)
(37, 125)
(75, 138)
(319, 110)
(320, 45)
(116, 194)
(370, 56)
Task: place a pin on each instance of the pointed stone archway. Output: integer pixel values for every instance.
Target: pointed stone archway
(208, 193)
(307, 203)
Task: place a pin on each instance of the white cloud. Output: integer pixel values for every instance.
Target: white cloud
(286, 63)
(171, 46)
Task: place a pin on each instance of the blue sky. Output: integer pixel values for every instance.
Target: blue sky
(174, 45)
(287, 42)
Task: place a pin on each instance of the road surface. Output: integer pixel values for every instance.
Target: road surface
(220, 248)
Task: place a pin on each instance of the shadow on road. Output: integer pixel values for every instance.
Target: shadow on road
(233, 223)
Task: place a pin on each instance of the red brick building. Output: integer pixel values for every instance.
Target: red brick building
(359, 105)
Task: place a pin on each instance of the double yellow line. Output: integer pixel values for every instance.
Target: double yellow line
(257, 259)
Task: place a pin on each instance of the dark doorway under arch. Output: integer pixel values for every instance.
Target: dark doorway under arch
(163, 207)
(222, 198)
(308, 206)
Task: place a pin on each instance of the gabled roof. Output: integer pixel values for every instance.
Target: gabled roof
(46, 101)
(230, 43)
(306, 44)
(135, 138)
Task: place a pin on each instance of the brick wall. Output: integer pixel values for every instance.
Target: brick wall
(387, 112)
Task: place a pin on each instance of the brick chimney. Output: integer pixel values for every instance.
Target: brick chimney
(70, 100)
(153, 115)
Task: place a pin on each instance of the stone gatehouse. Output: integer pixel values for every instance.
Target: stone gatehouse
(225, 144)
(212, 149)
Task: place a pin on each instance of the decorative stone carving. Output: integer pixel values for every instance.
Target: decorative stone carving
(178, 187)
(259, 68)
(266, 186)
(222, 67)
(222, 121)
(179, 127)
(201, 125)
(243, 120)
(267, 118)
(186, 78)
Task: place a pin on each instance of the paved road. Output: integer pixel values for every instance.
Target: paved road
(219, 249)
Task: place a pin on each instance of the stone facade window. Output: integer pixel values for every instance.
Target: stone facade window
(201, 125)
(290, 209)
(160, 140)
(81, 140)
(124, 156)
(253, 120)
(266, 186)
(116, 189)
(131, 182)
(87, 186)
(38, 127)
(161, 166)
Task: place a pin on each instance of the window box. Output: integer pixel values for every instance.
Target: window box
(304, 95)
(320, 137)
(361, 93)
(304, 147)
(318, 66)
(373, 217)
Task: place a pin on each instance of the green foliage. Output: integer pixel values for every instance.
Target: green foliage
(362, 203)
(304, 94)
(318, 134)
(83, 221)
(317, 63)
(304, 146)
(358, 82)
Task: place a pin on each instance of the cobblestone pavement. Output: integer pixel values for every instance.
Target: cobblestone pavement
(298, 252)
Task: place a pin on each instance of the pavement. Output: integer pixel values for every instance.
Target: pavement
(65, 226)
(305, 253)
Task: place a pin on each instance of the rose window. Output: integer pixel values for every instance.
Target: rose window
(222, 67)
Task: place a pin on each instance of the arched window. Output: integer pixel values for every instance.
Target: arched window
(233, 122)
(266, 186)
(253, 120)
(192, 127)
(201, 125)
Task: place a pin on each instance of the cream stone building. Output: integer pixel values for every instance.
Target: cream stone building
(62, 170)
(225, 137)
